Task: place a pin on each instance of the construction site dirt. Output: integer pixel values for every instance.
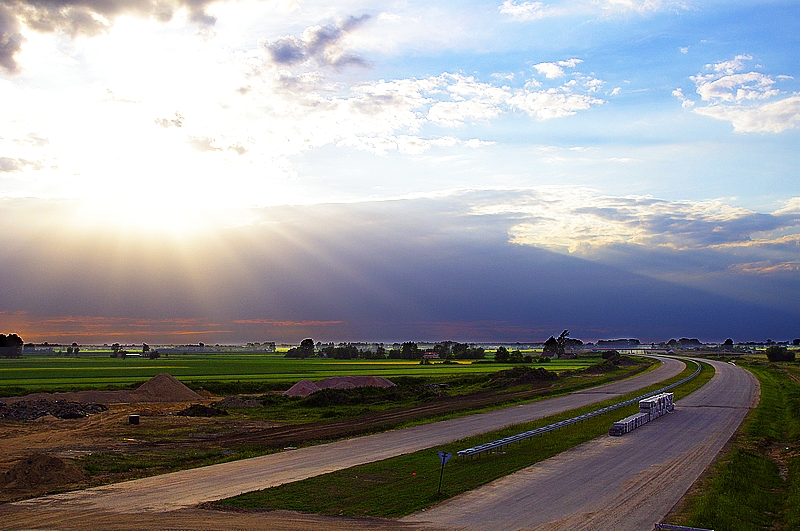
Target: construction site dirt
(162, 430)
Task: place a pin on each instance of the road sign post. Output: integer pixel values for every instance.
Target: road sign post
(444, 457)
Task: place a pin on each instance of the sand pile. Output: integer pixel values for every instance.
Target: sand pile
(164, 388)
(40, 470)
(307, 387)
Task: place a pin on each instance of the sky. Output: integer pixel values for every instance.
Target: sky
(231, 171)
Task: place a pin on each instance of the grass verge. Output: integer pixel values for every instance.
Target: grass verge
(407, 483)
(756, 483)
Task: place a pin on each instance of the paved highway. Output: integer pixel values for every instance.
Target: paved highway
(623, 483)
(187, 488)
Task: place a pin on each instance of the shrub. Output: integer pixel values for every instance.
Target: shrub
(779, 353)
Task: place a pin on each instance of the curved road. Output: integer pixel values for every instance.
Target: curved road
(178, 490)
(623, 483)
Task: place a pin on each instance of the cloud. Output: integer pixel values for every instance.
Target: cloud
(580, 220)
(175, 122)
(556, 70)
(203, 144)
(339, 272)
(321, 44)
(34, 140)
(523, 10)
(685, 102)
(9, 165)
(790, 206)
(550, 104)
(527, 11)
(10, 38)
(772, 117)
(82, 17)
(640, 6)
(382, 116)
(745, 99)
(766, 267)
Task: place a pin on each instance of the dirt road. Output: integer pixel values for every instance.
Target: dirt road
(623, 483)
(132, 504)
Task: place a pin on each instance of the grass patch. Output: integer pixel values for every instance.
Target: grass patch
(756, 483)
(116, 463)
(222, 373)
(407, 483)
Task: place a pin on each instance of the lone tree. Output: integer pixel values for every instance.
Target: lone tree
(728, 344)
(11, 346)
(561, 342)
(557, 345)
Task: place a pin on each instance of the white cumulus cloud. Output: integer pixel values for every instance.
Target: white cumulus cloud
(750, 101)
(523, 10)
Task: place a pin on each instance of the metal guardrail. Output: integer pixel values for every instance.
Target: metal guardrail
(500, 443)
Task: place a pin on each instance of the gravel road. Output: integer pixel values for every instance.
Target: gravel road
(149, 498)
(623, 483)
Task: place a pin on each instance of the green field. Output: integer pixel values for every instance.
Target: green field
(27, 374)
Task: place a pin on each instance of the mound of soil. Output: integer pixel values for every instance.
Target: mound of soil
(38, 471)
(199, 410)
(235, 402)
(306, 387)
(34, 409)
(609, 364)
(164, 388)
(159, 388)
(522, 374)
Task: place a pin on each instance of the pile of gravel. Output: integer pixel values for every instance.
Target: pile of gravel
(62, 409)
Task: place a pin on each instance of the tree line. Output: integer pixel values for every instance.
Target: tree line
(407, 351)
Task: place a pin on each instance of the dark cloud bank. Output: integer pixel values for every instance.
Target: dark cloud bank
(417, 270)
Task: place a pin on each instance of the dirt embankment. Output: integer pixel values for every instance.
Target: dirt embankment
(40, 469)
(41, 435)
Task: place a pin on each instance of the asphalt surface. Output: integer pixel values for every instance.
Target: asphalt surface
(625, 483)
(178, 490)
